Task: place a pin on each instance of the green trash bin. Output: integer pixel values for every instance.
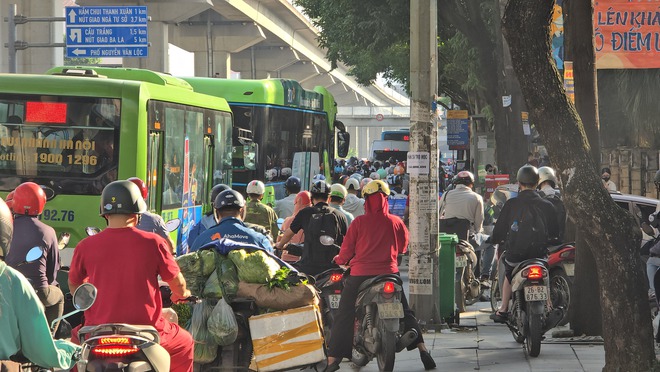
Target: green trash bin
(446, 276)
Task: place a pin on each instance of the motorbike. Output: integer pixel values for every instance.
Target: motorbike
(528, 317)
(561, 262)
(330, 284)
(379, 324)
(468, 289)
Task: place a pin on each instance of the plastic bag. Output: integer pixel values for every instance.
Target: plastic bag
(228, 279)
(222, 324)
(206, 349)
(255, 267)
(212, 288)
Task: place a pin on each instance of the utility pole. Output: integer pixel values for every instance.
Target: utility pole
(423, 162)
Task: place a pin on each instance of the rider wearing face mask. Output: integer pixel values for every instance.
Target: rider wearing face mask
(23, 323)
(605, 175)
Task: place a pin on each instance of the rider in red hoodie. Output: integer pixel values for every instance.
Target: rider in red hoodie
(371, 254)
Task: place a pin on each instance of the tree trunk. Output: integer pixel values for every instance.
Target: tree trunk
(579, 47)
(628, 335)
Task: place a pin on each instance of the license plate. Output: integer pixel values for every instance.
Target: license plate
(536, 293)
(333, 301)
(393, 310)
(569, 268)
(461, 261)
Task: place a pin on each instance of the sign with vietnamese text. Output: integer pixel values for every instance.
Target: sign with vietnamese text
(106, 31)
(418, 163)
(569, 82)
(458, 130)
(525, 123)
(627, 34)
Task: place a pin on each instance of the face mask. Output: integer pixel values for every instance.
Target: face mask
(606, 178)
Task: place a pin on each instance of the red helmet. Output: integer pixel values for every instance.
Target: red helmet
(141, 185)
(10, 200)
(29, 199)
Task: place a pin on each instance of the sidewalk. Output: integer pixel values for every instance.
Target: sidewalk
(479, 344)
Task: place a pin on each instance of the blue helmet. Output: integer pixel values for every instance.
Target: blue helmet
(318, 177)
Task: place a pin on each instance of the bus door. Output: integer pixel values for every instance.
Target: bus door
(305, 166)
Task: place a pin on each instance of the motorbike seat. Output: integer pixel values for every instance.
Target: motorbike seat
(533, 261)
(144, 331)
(380, 278)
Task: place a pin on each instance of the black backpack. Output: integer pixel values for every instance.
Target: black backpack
(528, 235)
(322, 222)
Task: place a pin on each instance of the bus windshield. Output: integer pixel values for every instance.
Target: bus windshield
(288, 142)
(69, 144)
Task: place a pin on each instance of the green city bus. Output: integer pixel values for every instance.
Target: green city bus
(76, 129)
(280, 129)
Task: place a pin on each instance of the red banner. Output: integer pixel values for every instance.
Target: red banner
(494, 180)
(627, 34)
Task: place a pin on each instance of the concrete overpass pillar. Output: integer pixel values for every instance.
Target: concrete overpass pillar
(33, 60)
(221, 63)
(158, 59)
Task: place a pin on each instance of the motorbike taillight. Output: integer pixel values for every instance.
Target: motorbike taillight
(114, 347)
(534, 272)
(335, 277)
(388, 288)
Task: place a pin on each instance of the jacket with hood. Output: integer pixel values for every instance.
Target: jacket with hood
(374, 240)
(354, 205)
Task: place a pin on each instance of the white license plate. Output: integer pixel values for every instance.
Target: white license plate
(536, 293)
(392, 310)
(461, 261)
(334, 301)
(569, 268)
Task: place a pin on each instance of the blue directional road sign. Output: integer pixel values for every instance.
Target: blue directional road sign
(106, 31)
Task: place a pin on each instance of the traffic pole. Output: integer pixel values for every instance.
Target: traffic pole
(422, 163)
(11, 38)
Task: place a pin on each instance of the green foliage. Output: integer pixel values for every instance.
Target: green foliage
(279, 280)
(81, 61)
(183, 312)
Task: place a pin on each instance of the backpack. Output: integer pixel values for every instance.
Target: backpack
(322, 222)
(528, 235)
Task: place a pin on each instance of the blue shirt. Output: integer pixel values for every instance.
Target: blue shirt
(234, 229)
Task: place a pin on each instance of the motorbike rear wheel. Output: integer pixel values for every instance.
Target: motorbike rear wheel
(387, 351)
(495, 296)
(560, 292)
(535, 335)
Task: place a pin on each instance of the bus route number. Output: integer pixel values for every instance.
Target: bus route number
(63, 215)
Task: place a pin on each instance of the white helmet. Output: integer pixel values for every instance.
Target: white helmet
(374, 176)
(338, 190)
(256, 187)
(364, 182)
(353, 184)
(547, 174)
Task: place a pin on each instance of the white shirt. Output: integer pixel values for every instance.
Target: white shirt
(464, 203)
(609, 185)
(284, 207)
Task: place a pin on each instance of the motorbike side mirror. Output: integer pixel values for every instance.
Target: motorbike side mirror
(280, 222)
(327, 240)
(33, 254)
(92, 230)
(84, 297)
(648, 230)
(172, 224)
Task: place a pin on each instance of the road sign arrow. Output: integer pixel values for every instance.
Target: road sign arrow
(72, 16)
(76, 35)
(79, 52)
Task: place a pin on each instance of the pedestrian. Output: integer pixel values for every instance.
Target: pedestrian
(607, 183)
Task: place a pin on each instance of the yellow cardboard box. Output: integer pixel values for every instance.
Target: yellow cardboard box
(287, 339)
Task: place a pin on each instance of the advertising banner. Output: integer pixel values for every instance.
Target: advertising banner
(627, 34)
(458, 130)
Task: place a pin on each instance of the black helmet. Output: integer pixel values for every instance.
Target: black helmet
(528, 175)
(464, 178)
(6, 229)
(122, 197)
(292, 184)
(229, 199)
(320, 187)
(216, 190)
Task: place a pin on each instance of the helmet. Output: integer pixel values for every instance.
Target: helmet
(303, 198)
(122, 197)
(382, 173)
(140, 184)
(338, 190)
(256, 187)
(6, 228)
(292, 184)
(343, 179)
(547, 174)
(29, 199)
(357, 176)
(216, 190)
(464, 178)
(318, 177)
(364, 182)
(374, 176)
(376, 186)
(377, 164)
(320, 187)
(10, 200)
(353, 184)
(399, 170)
(528, 175)
(393, 179)
(229, 199)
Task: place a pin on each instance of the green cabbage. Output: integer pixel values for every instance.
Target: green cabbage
(256, 267)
